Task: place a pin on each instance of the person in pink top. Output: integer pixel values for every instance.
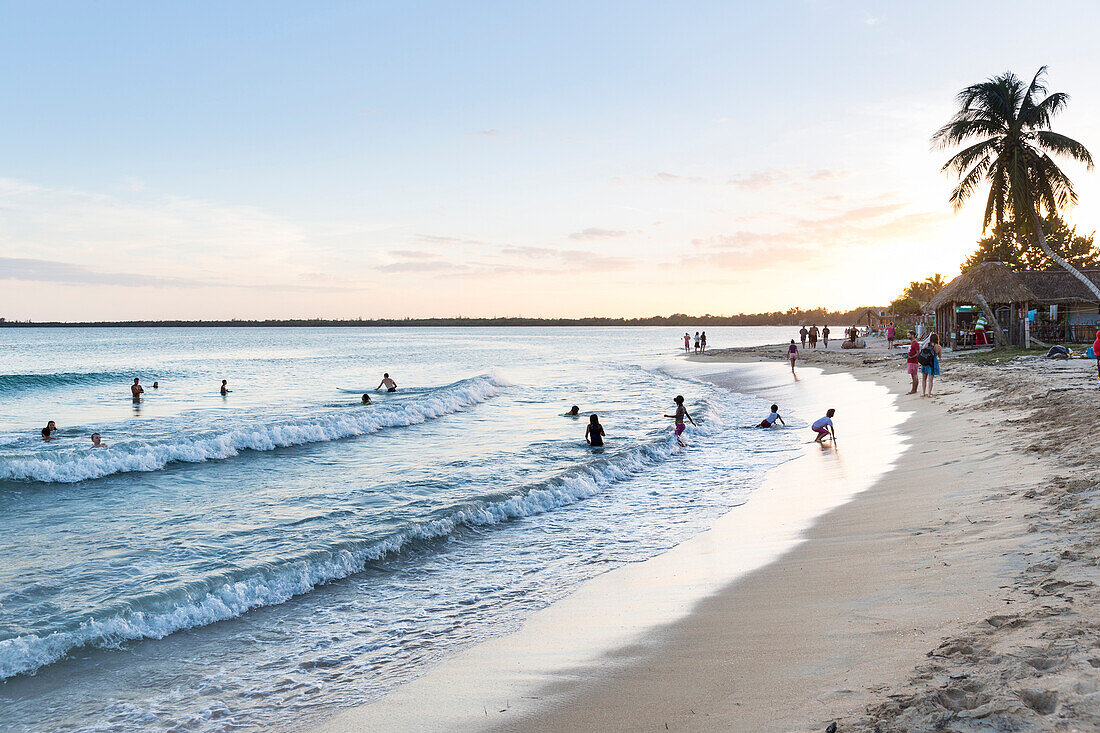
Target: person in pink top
(792, 354)
(911, 364)
(890, 332)
(1096, 353)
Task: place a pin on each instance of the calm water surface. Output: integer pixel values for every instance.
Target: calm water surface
(239, 562)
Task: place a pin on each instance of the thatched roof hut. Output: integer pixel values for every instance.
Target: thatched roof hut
(1057, 287)
(993, 280)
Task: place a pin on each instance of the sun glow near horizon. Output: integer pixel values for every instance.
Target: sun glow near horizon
(567, 163)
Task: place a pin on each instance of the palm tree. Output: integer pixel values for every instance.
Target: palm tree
(1015, 142)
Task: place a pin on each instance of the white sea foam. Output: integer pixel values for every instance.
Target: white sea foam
(87, 463)
(229, 596)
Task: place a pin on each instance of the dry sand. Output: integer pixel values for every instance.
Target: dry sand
(957, 593)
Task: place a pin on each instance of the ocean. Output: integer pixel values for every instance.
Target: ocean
(262, 558)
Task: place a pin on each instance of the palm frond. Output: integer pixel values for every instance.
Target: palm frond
(994, 207)
(967, 157)
(965, 127)
(1053, 142)
(968, 183)
(1040, 116)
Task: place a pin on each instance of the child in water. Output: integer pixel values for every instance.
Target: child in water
(594, 432)
(97, 441)
(573, 411)
(771, 419)
(681, 413)
(366, 399)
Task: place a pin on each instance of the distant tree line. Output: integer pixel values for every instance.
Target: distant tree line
(790, 317)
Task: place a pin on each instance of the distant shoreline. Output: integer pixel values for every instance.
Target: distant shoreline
(681, 321)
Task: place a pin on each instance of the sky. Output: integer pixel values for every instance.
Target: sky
(366, 159)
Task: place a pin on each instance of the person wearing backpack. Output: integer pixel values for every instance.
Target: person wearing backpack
(929, 360)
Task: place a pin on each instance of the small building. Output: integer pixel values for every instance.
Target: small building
(1051, 305)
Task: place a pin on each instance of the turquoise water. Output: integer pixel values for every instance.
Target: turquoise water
(242, 561)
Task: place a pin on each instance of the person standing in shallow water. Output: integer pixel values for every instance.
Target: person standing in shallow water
(696, 342)
(389, 384)
(594, 433)
(792, 354)
(136, 390)
(225, 388)
(687, 341)
(703, 342)
(681, 413)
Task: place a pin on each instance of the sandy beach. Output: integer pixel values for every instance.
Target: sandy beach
(955, 592)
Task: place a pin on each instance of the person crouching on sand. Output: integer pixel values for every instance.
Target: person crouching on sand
(97, 441)
(792, 354)
(594, 433)
(681, 413)
(824, 427)
(771, 419)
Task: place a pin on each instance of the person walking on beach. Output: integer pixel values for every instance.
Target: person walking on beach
(703, 342)
(929, 360)
(389, 384)
(696, 342)
(813, 337)
(136, 390)
(225, 388)
(802, 334)
(825, 336)
(594, 433)
(687, 341)
(681, 413)
(890, 333)
(792, 354)
(911, 365)
(824, 427)
(772, 418)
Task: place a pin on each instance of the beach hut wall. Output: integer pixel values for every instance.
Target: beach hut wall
(993, 280)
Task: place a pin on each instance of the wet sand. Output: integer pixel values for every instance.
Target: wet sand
(955, 591)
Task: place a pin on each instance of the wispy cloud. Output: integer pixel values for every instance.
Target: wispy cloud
(597, 233)
(33, 270)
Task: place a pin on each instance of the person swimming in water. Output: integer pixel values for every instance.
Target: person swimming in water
(573, 411)
(136, 389)
(49, 430)
(225, 388)
(366, 399)
(156, 385)
(771, 419)
(594, 432)
(681, 413)
(389, 384)
(97, 441)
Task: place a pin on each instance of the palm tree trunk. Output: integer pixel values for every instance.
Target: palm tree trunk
(1041, 240)
(1002, 341)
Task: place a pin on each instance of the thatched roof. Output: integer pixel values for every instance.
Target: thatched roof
(993, 280)
(1058, 286)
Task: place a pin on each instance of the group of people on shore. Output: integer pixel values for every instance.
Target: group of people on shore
(700, 342)
(811, 335)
